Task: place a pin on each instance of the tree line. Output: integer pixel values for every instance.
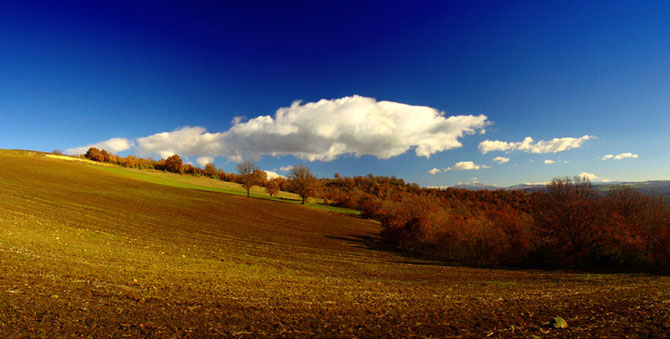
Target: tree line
(300, 179)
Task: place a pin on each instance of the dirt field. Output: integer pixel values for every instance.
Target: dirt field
(88, 252)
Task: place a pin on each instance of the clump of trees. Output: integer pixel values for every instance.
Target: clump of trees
(569, 225)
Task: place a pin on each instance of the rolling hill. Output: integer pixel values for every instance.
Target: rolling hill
(101, 251)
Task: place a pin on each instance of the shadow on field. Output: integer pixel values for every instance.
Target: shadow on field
(374, 242)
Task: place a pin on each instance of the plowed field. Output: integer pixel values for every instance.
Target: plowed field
(90, 252)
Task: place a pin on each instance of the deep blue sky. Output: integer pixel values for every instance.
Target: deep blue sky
(77, 73)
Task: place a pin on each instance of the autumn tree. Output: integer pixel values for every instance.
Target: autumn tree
(248, 174)
(210, 171)
(302, 182)
(174, 164)
(94, 154)
(272, 186)
(105, 155)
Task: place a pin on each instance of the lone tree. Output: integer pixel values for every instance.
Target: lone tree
(302, 182)
(272, 186)
(249, 176)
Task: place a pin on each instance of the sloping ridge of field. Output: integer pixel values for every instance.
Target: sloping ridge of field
(86, 252)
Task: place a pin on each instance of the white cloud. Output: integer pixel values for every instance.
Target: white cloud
(465, 166)
(501, 160)
(459, 166)
(286, 168)
(324, 130)
(202, 161)
(272, 175)
(620, 156)
(527, 145)
(549, 161)
(113, 145)
(586, 175)
(606, 180)
(537, 183)
(185, 141)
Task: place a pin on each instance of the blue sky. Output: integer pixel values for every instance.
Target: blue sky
(378, 83)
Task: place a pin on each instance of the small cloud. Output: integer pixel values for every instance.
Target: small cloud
(113, 145)
(434, 171)
(587, 175)
(286, 168)
(529, 146)
(466, 166)
(620, 156)
(548, 161)
(606, 180)
(202, 161)
(501, 160)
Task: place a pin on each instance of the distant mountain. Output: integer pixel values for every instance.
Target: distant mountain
(478, 187)
(661, 187)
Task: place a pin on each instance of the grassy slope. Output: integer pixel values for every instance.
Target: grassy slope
(87, 252)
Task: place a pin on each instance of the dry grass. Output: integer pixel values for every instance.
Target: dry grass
(91, 253)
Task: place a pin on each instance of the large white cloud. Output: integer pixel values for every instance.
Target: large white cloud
(620, 156)
(459, 166)
(528, 145)
(325, 130)
(113, 145)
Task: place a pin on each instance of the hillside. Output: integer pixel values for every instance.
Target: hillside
(99, 251)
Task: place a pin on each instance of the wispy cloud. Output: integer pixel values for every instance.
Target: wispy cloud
(501, 160)
(286, 168)
(459, 166)
(528, 145)
(324, 130)
(620, 156)
(549, 161)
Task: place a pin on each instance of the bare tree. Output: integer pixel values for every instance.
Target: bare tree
(302, 182)
(248, 174)
(571, 214)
